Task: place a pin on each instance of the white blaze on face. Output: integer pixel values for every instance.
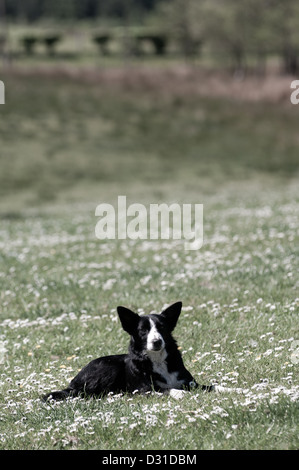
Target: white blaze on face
(153, 338)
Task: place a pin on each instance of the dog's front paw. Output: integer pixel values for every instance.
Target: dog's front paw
(177, 394)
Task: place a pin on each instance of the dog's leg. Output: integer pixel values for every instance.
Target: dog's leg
(220, 389)
(207, 388)
(179, 394)
(59, 395)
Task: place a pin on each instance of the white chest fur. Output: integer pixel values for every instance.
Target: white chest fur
(170, 377)
(160, 367)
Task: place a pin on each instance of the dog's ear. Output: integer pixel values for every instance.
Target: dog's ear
(129, 320)
(171, 314)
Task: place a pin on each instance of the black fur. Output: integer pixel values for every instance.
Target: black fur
(139, 370)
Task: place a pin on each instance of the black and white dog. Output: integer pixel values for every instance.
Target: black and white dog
(153, 361)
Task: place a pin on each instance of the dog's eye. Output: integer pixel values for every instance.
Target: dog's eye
(143, 332)
(161, 328)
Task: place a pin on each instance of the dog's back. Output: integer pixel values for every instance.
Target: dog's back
(153, 360)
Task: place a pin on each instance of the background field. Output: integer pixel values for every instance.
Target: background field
(68, 144)
(209, 121)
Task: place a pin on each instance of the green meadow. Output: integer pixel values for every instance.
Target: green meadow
(72, 141)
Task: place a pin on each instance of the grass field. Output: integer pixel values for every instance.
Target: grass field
(66, 146)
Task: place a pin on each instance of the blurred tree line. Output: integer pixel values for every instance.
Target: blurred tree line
(243, 30)
(33, 10)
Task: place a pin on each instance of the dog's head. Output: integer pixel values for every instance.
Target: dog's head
(150, 333)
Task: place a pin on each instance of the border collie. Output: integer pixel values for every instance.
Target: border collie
(153, 361)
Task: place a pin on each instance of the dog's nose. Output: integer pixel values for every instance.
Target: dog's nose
(157, 344)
